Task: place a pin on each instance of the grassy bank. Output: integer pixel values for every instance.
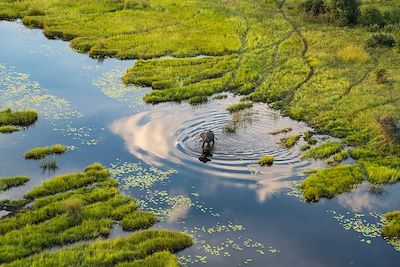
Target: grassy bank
(82, 206)
(8, 182)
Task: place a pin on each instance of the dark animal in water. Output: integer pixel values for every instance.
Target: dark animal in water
(207, 137)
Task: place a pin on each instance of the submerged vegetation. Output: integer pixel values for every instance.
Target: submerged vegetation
(8, 182)
(83, 206)
(42, 152)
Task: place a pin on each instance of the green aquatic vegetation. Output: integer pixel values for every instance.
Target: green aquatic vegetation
(266, 160)
(220, 96)
(9, 129)
(196, 100)
(239, 106)
(331, 182)
(8, 182)
(324, 150)
(18, 118)
(283, 130)
(14, 204)
(290, 141)
(379, 174)
(391, 229)
(75, 207)
(152, 247)
(305, 147)
(42, 152)
(138, 220)
(230, 128)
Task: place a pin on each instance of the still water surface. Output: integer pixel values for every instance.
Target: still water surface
(239, 213)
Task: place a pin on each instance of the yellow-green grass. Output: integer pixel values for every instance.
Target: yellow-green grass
(324, 150)
(391, 229)
(13, 205)
(197, 100)
(9, 129)
(17, 118)
(8, 182)
(331, 182)
(239, 106)
(283, 130)
(266, 160)
(83, 206)
(42, 152)
(230, 128)
(290, 141)
(49, 164)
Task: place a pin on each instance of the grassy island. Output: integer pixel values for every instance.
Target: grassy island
(8, 182)
(42, 152)
(11, 121)
(84, 206)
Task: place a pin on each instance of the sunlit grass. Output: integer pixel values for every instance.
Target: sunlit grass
(42, 152)
(266, 160)
(8, 182)
(290, 141)
(17, 118)
(9, 129)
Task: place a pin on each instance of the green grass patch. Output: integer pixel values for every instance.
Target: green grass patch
(9, 129)
(280, 131)
(18, 118)
(8, 182)
(230, 128)
(220, 96)
(290, 141)
(324, 150)
(42, 152)
(83, 206)
(331, 182)
(197, 100)
(239, 106)
(266, 161)
(49, 165)
(391, 229)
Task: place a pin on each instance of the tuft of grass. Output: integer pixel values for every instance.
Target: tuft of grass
(353, 54)
(8, 182)
(283, 130)
(290, 141)
(138, 220)
(391, 229)
(42, 152)
(239, 106)
(197, 100)
(13, 205)
(230, 128)
(95, 167)
(18, 118)
(9, 129)
(73, 208)
(50, 165)
(266, 161)
(220, 96)
(305, 147)
(324, 150)
(378, 174)
(331, 182)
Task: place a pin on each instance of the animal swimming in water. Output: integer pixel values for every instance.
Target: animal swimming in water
(207, 137)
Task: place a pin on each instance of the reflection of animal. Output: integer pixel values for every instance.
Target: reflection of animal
(206, 154)
(207, 137)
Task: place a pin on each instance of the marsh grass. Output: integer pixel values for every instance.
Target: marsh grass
(280, 131)
(391, 229)
(230, 128)
(49, 165)
(331, 182)
(13, 205)
(18, 118)
(42, 152)
(266, 160)
(197, 100)
(220, 96)
(324, 150)
(290, 141)
(83, 206)
(8, 182)
(239, 106)
(9, 129)
(353, 54)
